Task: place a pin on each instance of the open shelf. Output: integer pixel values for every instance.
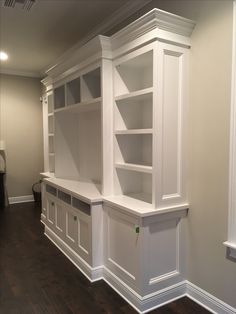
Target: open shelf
(91, 85)
(134, 74)
(136, 185)
(134, 149)
(73, 92)
(89, 105)
(134, 111)
(59, 97)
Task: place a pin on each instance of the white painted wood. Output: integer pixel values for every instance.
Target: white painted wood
(118, 138)
(107, 126)
(86, 190)
(171, 121)
(207, 300)
(45, 132)
(134, 131)
(21, 199)
(134, 167)
(231, 241)
(92, 273)
(154, 25)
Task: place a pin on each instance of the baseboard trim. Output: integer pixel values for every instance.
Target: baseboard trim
(147, 303)
(207, 300)
(91, 273)
(21, 199)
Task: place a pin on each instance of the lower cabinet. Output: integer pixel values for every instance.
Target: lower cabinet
(143, 252)
(72, 221)
(139, 256)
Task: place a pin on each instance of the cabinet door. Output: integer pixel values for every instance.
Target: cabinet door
(78, 232)
(84, 243)
(71, 227)
(122, 242)
(51, 211)
(60, 219)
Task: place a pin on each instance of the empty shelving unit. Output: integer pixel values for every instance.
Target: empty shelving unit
(115, 140)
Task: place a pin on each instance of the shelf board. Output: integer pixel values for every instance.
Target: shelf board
(130, 204)
(50, 134)
(51, 154)
(86, 190)
(140, 95)
(51, 114)
(88, 105)
(133, 131)
(134, 167)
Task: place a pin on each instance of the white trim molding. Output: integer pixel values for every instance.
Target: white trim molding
(231, 241)
(207, 300)
(21, 199)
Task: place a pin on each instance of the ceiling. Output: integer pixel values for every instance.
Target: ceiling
(35, 39)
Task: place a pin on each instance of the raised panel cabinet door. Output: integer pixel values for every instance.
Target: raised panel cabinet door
(122, 246)
(60, 220)
(71, 228)
(84, 244)
(50, 212)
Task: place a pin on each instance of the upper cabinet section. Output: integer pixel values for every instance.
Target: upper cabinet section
(79, 93)
(119, 106)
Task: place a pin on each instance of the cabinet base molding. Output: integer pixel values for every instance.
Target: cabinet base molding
(92, 273)
(21, 199)
(207, 300)
(148, 302)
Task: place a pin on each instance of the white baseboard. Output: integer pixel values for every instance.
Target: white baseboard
(208, 301)
(146, 303)
(21, 199)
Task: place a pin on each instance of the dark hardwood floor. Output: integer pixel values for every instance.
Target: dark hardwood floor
(35, 277)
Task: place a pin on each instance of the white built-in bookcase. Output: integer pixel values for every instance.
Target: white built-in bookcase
(119, 115)
(133, 124)
(116, 142)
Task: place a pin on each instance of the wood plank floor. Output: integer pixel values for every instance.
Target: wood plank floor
(35, 277)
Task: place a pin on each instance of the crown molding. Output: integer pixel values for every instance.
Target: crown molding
(115, 19)
(95, 49)
(21, 73)
(160, 21)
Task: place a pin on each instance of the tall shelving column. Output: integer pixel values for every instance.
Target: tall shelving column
(133, 125)
(51, 148)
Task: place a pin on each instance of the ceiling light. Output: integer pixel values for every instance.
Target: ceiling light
(3, 56)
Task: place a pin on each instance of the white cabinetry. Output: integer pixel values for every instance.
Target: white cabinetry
(117, 137)
(72, 224)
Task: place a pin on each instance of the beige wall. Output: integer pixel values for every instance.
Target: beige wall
(21, 128)
(209, 120)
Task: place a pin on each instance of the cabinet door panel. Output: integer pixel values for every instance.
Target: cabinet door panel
(84, 237)
(122, 246)
(60, 220)
(51, 211)
(71, 227)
